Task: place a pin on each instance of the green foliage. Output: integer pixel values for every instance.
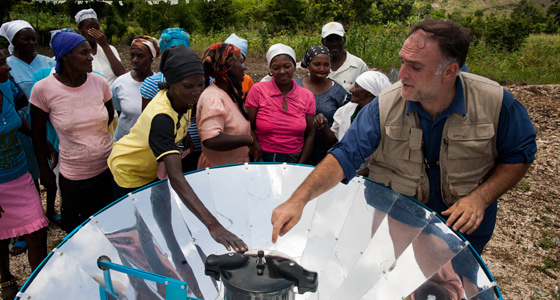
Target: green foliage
(43, 20)
(505, 33)
(216, 14)
(154, 18)
(395, 10)
(285, 14)
(425, 10)
(527, 15)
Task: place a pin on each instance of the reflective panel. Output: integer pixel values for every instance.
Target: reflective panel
(364, 240)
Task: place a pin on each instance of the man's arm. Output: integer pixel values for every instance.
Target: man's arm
(468, 212)
(325, 176)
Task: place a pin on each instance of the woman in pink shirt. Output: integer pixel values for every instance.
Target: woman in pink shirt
(282, 112)
(78, 104)
(223, 125)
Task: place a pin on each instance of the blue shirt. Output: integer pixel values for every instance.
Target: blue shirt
(12, 159)
(515, 143)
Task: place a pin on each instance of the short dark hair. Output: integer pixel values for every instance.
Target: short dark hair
(453, 40)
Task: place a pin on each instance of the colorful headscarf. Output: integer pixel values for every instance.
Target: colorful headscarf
(217, 60)
(171, 37)
(279, 49)
(312, 52)
(85, 14)
(10, 29)
(62, 43)
(147, 44)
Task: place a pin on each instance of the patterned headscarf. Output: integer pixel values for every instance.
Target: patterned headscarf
(147, 44)
(312, 52)
(217, 61)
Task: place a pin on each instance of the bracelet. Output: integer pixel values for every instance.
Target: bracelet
(252, 140)
(5, 284)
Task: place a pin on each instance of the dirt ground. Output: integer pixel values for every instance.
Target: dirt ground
(524, 254)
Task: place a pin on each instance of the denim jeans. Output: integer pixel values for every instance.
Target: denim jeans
(280, 157)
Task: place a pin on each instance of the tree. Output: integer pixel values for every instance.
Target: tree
(395, 10)
(215, 14)
(286, 14)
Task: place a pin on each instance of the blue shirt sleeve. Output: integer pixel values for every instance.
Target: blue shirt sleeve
(516, 134)
(149, 88)
(360, 141)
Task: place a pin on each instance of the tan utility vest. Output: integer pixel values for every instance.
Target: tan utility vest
(468, 147)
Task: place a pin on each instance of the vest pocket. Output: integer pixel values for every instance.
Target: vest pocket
(459, 185)
(470, 141)
(398, 142)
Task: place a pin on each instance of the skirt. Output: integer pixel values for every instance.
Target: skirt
(23, 211)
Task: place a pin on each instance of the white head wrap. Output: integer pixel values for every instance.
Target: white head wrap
(278, 49)
(85, 14)
(10, 29)
(373, 82)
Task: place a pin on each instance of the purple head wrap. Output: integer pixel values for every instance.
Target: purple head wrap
(62, 43)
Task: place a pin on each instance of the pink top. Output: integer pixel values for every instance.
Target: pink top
(278, 130)
(216, 113)
(80, 118)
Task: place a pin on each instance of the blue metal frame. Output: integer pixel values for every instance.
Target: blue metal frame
(174, 289)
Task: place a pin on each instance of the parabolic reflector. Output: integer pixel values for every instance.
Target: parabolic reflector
(364, 240)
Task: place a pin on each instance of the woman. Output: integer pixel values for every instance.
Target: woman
(223, 125)
(172, 37)
(78, 104)
(155, 137)
(329, 95)
(126, 89)
(21, 212)
(368, 86)
(281, 112)
(25, 61)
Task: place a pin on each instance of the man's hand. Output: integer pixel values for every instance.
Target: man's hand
(98, 36)
(285, 217)
(228, 239)
(466, 215)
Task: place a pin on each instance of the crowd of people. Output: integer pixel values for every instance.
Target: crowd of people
(84, 127)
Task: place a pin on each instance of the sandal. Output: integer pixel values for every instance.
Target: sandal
(55, 219)
(9, 288)
(18, 244)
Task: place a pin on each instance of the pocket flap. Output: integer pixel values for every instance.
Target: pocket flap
(471, 132)
(398, 133)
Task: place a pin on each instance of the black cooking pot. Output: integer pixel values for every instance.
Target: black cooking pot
(257, 275)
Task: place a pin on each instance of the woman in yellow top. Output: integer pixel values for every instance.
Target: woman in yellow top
(155, 137)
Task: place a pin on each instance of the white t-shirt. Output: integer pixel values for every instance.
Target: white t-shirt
(127, 100)
(101, 64)
(346, 75)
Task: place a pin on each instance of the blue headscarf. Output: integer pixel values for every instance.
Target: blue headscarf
(62, 43)
(172, 37)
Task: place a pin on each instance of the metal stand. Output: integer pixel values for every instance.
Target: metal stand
(174, 289)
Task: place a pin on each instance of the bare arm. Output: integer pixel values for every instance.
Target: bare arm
(39, 134)
(101, 39)
(110, 111)
(190, 199)
(325, 176)
(308, 138)
(467, 214)
(145, 102)
(255, 149)
(226, 142)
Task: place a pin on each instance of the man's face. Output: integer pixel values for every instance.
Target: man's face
(420, 59)
(335, 43)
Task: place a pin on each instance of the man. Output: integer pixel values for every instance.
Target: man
(454, 141)
(106, 59)
(345, 67)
